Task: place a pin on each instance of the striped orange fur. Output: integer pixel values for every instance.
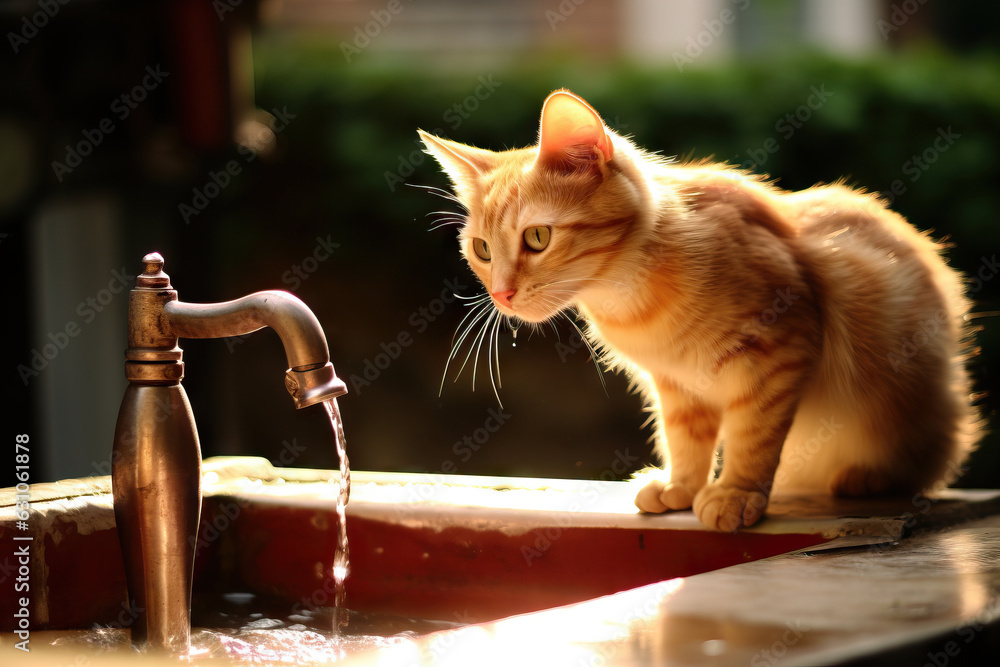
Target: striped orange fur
(816, 336)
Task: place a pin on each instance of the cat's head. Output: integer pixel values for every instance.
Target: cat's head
(548, 223)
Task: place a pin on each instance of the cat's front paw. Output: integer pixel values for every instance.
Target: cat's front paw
(659, 496)
(728, 508)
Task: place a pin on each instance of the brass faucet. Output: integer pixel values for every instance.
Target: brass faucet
(156, 471)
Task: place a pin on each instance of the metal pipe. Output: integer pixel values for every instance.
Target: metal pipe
(295, 324)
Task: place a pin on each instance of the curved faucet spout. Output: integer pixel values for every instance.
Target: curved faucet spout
(310, 377)
(296, 325)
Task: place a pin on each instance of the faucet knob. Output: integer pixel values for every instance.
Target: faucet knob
(152, 275)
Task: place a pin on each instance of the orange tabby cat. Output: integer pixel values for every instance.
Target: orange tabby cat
(816, 334)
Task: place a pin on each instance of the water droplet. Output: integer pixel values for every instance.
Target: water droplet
(513, 333)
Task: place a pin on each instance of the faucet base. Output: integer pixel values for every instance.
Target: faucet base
(156, 481)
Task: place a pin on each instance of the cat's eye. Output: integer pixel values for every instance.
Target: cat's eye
(482, 249)
(537, 238)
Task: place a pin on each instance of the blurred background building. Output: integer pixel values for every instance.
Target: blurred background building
(650, 31)
(272, 145)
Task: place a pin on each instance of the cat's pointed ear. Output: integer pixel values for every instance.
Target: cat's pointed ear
(571, 135)
(463, 164)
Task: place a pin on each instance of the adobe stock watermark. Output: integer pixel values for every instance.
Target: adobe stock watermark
(87, 311)
(419, 321)
(712, 29)
(929, 328)
(544, 538)
(121, 108)
(967, 633)
(900, 14)
(794, 462)
(563, 11)
(886, 537)
(464, 449)
(602, 653)
(752, 330)
(228, 510)
(787, 125)
(126, 617)
(437, 651)
(30, 26)
(7, 569)
(454, 116)
(784, 300)
(211, 529)
(323, 250)
(921, 162)
(573, 344)
(128, 440)
(295, 275)
(471, 443)
(461, 110)
(369, 31)
(220, 180)
(610, 305)
(224, 7)
(774, 653)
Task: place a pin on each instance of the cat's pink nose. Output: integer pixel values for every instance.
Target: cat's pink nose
(503, 297)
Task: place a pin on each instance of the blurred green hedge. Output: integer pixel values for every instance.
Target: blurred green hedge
(867, 123)
(923, 128)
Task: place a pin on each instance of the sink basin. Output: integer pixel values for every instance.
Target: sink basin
(454, 548)
(442, 548)
(467, 549)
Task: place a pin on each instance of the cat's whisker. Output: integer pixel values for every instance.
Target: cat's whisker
(615, 283)
(446, 218)
(477, 297)
(553, 302)
(494, 359)
(486, 323)
(437, 192)
(488, 314)
(590, 348)
(477, 345)
(555, 329)
(477, 313)
(446, 223)
(497, 339)
(584, 279)
(484, 312)
(557, 299)
(537, 327)
(547, 294)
